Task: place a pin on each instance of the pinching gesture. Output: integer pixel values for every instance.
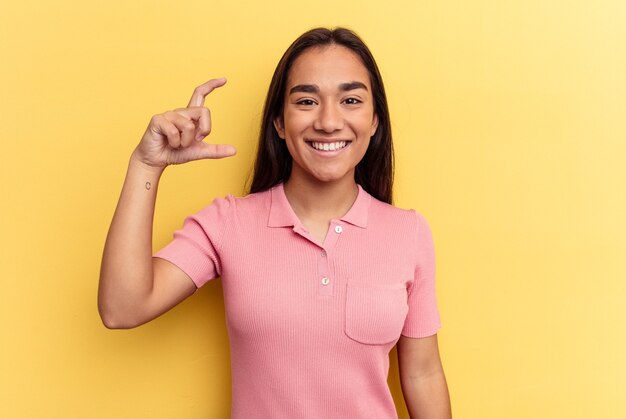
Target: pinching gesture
(175, 137)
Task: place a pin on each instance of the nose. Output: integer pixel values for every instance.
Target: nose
(329, 118)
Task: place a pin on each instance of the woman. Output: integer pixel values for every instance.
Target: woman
(321, 275)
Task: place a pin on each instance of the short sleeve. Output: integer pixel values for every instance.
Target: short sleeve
(423, 317)
(195, 248)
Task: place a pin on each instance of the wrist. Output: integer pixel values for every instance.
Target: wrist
(138, 164)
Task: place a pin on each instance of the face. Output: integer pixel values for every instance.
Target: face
(328, 115)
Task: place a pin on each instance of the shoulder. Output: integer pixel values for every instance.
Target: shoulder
(407, 225)
(231, 206)
(386, 213)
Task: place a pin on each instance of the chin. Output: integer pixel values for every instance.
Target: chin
(329, 177)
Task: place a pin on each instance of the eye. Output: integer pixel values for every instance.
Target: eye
(352, 101)
(305, 102)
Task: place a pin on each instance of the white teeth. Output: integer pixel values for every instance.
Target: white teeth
(338, 145)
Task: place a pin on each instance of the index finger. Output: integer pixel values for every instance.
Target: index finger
(200, 93)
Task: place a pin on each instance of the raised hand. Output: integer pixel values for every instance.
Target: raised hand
(175, 137)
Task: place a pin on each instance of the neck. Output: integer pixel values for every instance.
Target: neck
(312, 199)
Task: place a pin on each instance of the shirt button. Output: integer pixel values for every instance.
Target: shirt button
(323, 252)
(338, 229)
(325, 280)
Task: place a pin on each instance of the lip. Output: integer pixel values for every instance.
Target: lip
(327, 153)
(326, 140)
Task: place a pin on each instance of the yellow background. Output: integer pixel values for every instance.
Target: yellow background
(510, 133)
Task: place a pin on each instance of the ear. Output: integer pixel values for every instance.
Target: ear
(280, 126)
(374, 125)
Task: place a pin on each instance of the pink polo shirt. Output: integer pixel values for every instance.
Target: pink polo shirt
(311, 325)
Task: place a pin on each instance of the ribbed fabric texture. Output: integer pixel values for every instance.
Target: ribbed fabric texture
(310, 324)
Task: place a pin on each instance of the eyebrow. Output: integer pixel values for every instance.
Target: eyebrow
(313, 88)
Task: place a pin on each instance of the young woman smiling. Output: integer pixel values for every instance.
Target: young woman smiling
(322, 276)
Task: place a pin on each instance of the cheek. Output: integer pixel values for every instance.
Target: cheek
(294, 122)
(365, 123)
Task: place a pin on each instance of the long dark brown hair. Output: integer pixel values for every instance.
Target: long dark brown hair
(273, 162)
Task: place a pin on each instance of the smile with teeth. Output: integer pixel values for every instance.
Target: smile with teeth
(337, 145)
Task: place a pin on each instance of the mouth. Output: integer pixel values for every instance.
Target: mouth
(328, 146)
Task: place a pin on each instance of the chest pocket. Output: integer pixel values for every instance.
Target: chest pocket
(375, 314)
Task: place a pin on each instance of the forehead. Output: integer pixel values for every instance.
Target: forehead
(327, 65)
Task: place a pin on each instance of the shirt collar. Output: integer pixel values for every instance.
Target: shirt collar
(282, 215)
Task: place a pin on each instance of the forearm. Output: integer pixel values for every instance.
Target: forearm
(427, 397)
(126, 271)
